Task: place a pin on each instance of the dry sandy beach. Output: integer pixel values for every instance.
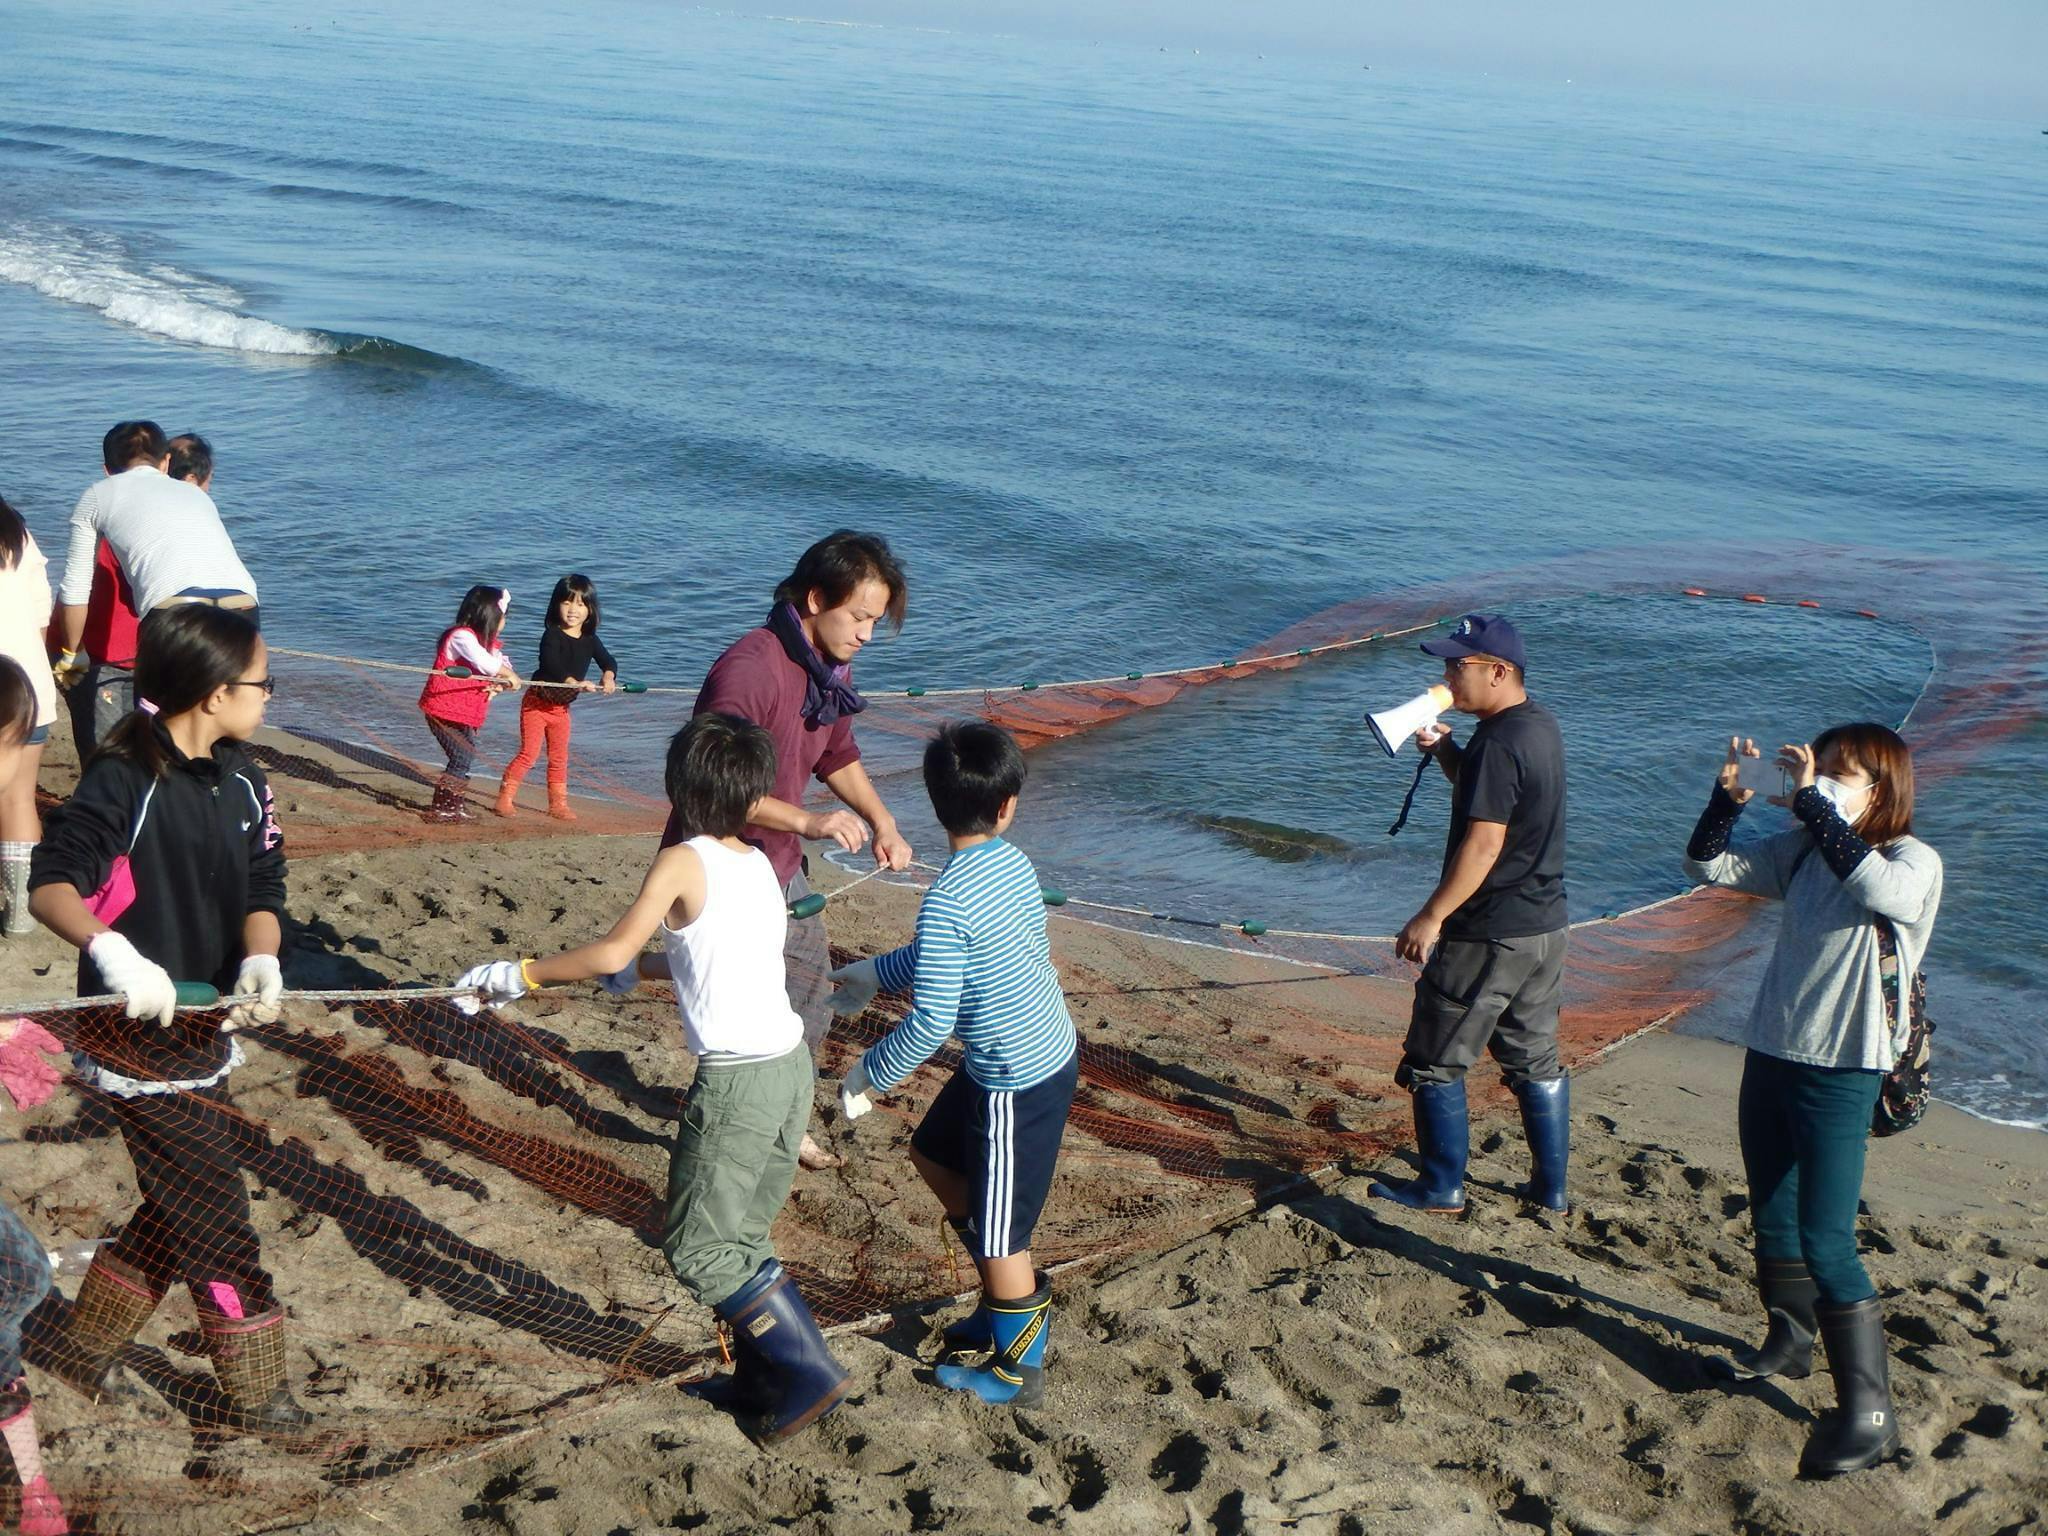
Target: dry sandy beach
(472, 1289)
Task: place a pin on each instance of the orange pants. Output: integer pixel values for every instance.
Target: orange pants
(539, 720)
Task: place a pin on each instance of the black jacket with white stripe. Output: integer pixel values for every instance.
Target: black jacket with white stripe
(204, 851)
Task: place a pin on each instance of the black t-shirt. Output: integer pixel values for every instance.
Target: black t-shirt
(566, 659)
(1513, 772)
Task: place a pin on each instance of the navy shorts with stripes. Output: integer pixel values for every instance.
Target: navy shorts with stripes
(1005, 1145)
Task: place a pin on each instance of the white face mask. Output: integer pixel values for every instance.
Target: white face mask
(1849, 800)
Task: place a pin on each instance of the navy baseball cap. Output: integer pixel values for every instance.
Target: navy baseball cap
(1480, 634)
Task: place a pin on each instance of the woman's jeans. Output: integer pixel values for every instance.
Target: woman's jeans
(1803, 1135)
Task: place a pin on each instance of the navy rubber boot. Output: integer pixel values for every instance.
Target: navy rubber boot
(1547, 1122)
(748, 1390)
(973, 1334)
(769, 1314)
(1442, 1131)
(1015, 1372)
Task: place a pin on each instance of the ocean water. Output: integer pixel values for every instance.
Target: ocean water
(1140, 358)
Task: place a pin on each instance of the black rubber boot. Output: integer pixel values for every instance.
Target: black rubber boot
(1442, 1135)
(1789, 1296)
(1860, 1431)
(770, 1312)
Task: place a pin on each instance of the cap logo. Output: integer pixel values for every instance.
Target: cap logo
(1464, 626)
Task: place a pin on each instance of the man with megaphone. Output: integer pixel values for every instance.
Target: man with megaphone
(1491, 937)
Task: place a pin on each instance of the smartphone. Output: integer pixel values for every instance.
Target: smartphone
(1762, 774)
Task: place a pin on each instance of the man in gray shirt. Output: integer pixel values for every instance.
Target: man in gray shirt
(166, 533)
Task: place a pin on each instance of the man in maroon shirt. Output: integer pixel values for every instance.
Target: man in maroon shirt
(793, 677)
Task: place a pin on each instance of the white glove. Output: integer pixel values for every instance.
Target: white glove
(857, 987)
(261, 975)
(145, 986)
(497, 983)
(623, 983)
(854, 1089)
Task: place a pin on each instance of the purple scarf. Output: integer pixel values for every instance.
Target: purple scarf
(828, 691)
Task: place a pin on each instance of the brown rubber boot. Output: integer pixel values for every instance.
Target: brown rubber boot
(113, 1303)
(248, 1362)
(558, 800)
(449, 801)
(508, 796)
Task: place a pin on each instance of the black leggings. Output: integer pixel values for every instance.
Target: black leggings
(193, 1224)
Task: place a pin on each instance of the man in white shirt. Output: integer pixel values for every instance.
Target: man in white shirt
(166, 533)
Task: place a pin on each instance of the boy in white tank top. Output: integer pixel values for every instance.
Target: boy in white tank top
(718, 910)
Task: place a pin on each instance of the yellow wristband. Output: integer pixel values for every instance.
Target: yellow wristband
(526, 975)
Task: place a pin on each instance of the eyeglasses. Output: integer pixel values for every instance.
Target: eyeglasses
(267, 684)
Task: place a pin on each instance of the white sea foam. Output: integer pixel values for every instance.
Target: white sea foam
(98, 273)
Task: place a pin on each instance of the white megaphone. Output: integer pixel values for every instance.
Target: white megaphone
(1391, 727)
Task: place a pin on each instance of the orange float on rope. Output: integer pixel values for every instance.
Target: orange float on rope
(1754, 597)
(1695, 591)
(1807, 602)
(1865, 613)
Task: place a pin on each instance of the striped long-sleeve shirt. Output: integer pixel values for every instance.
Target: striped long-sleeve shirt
(981, 968)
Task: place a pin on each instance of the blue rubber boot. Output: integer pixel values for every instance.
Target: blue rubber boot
(1442, 1130)
(769, 1313)
(1547, 1122)
(1015, 1372)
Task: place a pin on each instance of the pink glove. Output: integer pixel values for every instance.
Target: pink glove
(25, 1072)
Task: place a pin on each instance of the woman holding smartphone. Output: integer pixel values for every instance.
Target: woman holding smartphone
(1860, 894)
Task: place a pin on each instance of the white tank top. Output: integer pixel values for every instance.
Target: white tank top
(727, 964)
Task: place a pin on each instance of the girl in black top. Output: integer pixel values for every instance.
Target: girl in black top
(167, 864)
(568, 645)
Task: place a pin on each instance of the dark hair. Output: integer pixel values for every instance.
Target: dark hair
(181, 655)
(581, 587)
(1883, 754)
(129, 443)
(17, 702)
(191, 457)
(718, 766)
(970, 769)
(479, 612)
(13, 536)
(834, 568)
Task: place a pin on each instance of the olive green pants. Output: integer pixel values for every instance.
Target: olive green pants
(734, 1161)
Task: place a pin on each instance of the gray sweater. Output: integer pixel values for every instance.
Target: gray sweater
(1822, 1000)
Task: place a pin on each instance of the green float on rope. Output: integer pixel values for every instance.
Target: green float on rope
(1251, 927)
(807, 906)
(457, 672)
(197, 994)
(1029, 686)
(1302, 651)
(1052, 897)
(1134, 676)
(913, 693)
(632, 687)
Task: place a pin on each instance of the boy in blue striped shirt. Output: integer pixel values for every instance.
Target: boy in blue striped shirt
(980, 969)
